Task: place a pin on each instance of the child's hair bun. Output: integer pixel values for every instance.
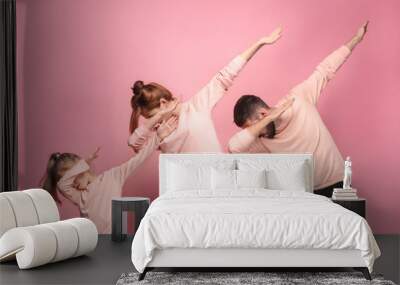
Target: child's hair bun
(137, 87)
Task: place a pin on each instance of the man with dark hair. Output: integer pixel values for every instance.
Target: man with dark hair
(294, 125)
(246, 108)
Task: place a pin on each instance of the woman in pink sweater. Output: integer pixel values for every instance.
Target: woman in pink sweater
(299, 129)
(196, 131)
(74, 178)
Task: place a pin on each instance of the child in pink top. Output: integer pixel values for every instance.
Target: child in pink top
(195, 132)
(73, 177)
(299, 129)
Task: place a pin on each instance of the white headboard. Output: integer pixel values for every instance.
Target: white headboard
(210, 157)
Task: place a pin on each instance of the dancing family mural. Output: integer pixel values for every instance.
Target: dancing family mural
(168, 125)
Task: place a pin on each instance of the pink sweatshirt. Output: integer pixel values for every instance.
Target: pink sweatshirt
(300, 129)
(196, 131)
(95, 202)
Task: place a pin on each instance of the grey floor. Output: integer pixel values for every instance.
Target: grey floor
(110, 260)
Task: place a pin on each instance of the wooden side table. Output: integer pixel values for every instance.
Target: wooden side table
(120, 206)
(358, 205)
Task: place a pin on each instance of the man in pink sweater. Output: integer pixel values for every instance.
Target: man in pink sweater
(299, 129)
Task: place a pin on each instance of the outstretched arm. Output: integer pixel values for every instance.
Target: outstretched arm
(122, 172)
(312, 87)
(267, 40)
(210, 94)
(358, 37)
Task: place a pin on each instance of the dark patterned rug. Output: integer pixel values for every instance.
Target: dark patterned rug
(275, 278)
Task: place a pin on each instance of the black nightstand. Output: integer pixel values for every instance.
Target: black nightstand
(120, 206)
(358, 206)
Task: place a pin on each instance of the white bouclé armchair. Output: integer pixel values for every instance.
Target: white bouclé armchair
(31, 231)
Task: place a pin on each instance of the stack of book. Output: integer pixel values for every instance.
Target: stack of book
(344, 194)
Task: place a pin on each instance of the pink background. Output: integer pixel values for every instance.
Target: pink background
(77, 60)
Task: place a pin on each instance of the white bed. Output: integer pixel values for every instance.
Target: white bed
(201, 220)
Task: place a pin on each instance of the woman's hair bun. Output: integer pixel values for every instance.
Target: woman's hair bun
(137, 87)
(55, 155)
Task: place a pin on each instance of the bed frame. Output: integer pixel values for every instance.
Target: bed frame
(246, 258)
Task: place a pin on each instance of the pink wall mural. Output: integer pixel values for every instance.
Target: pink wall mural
(78, 59)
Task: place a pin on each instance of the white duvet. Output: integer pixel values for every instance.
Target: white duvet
(253, 218)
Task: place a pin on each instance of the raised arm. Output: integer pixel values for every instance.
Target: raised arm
(122, 172)
(210, 94)
(312, 87)
(267, 40)
(358, 37)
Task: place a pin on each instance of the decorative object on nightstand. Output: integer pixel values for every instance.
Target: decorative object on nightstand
(347, 174)
(120, 207)
(344, 194)
(347, 193)
(358, 205)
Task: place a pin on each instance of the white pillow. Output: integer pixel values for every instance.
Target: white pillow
(236, 179)
(292, 179)
(251, 178)
(223, 179)
(189, 174)
(204, 162)
(181, 177)
(281, 174)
